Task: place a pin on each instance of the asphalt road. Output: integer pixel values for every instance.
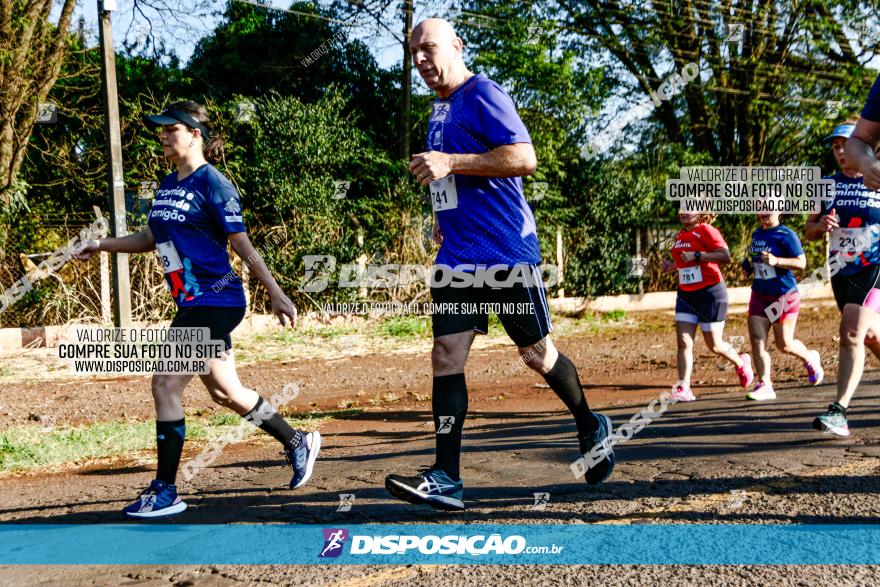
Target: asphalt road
(717, 460)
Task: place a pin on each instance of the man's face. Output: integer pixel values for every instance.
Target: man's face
(436, 53)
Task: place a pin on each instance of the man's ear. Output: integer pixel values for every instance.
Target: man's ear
(459, 45)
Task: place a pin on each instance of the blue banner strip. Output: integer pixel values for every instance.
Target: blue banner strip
(643, 544)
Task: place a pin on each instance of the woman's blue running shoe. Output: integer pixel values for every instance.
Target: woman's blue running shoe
(303, 457)
(159, 499)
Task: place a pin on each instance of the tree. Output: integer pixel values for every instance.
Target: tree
(65, 167)
(255, 50)
(770, 70)
(31, 52)
(300, 154)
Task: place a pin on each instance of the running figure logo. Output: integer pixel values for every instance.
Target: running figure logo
(47, 113)
(541, 500)
(636, 266)
(736, 498)
(832, 108)
(446, 423)
(341, 188)
(334, 538)
(534, 35)
(318, 269)
(735, 32)
(440, 111)
(346, 500)
(539, 191)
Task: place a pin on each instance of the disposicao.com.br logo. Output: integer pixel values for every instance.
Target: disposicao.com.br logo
(334, 539)
(477, 545)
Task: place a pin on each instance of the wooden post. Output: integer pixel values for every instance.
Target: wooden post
(104, 268)
(559, 260)
(116, 192)
(106, 313)
(639, 257)
(361, 262)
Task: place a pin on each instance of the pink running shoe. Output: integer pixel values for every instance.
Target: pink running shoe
(814, 368)
(682, 393)
(762, 392)
(745, 373)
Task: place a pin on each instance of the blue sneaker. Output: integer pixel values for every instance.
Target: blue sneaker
(599, 445)
(160, 499)
(303, 457)
(432, 487)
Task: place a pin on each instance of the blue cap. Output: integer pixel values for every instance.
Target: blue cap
(842, 130)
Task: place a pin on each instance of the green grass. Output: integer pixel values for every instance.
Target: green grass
(286, 336)
(27, 447)
(30, 447)
(396, 330)
(614, 315)
(405, 326)
(495, 326)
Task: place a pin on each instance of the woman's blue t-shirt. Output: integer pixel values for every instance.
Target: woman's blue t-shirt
(190, 220)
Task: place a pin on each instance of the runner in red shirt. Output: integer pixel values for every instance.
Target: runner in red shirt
(702, 299)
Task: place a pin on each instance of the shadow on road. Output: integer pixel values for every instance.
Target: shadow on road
(532, 449)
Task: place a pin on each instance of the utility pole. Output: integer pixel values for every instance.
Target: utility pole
(407, 80)
(116, 192)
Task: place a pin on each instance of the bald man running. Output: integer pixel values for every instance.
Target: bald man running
(859, 148)
(478, 151)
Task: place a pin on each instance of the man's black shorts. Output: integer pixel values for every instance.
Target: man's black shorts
(520, 303)
(221, 321)
(854, 288)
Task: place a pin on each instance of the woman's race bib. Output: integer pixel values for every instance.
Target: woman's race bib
(851, 240)
(169, 257)
(764, 271)
(444, 196)
(690, 275)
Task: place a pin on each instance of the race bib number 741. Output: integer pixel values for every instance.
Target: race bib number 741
(444, 196)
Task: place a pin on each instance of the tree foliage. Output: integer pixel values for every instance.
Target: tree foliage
(32, 49)
(772, 72)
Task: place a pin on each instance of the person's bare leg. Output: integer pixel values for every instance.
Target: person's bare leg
(759, 330)
(225, 387)
(684, 338)
(167, 394)
(541, 356)
(450, 353)
(872, 338)
(227, 390)
(783, 335)
(855, 321)
(715, 341)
